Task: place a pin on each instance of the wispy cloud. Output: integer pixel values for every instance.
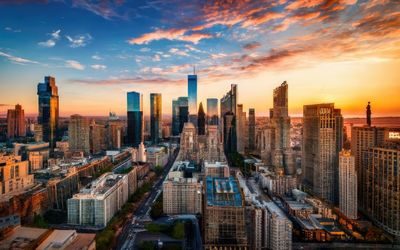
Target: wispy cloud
(107, 9)
(79, 40)
(96, 57)
(178, 52)
(74, 65)
(98, 66)
(17, 60)
(252, 45)
(12, 30)
(55, 36)
(170, 34)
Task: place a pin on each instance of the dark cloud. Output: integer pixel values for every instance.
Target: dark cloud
(252, 45)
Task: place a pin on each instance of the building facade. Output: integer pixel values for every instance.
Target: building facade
(228, 106)
(79, 134)
(16, 122)
(212, 111)
(48, 109)
(252, 130)
(322, 142)
(347, 185)
(201, 121)
(135, 119)
(14, 175)
(155, 117)
(192, 98)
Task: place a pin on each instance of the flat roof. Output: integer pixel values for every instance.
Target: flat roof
(223, 192)
(57, 239)
(81, 242)
(22, 237)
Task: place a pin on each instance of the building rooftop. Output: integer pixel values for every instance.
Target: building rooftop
(223, 192)
(58, 239)
(101, 185)
(22, 238)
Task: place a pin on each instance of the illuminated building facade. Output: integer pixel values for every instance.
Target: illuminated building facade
(16, 122)
(155, 117)
(347, 185)
(212, 111)
(135, 119)
(192, 98)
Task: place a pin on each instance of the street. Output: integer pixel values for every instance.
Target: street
(127, 237)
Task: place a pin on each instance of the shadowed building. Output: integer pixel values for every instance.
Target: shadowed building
(79, 134)
(180, 113)
(347, 185)
(48, 110)
(252, 129)
(201, 121)
(212, 111)
(192, 98)
(228, 118)
(135, 119)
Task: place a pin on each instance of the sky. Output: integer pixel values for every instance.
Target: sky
(341, 51)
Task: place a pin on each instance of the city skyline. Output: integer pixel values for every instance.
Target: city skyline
(117, 50)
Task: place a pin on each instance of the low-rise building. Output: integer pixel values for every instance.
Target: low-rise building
(157, 156)
(216, 169)
(14, 174)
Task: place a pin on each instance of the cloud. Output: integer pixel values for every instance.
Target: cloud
(130, 80)
(17, 60)
(252, 45)
(98, 66)
(96, 57)
(55, 36)
(145, 49)
(74, 65)
(79, 40)
(178, 52)
(156, 58)
(12, 30)
(107, 9)
(170, 34)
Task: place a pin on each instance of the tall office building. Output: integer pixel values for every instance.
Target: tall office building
(180, 114)
(278, 228)
(241, 122)
(212, 111)
(189, 147)
(224, 214)
(48, 109)
(347, 185)
(228, 112)
(135, 118)
(79, 134)
(252, 130)
(155, 117)
(201, 121)
(192, 98)
(382, 177)
(98, 138)
(322, 142)
(16, 122)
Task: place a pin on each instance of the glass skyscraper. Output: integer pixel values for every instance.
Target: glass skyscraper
(212, 111)
(48, 109)
(135, 119)
(192, 98)
(155, 117)
(179, 114)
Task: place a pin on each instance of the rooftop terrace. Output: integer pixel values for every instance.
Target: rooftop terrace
(223, 192)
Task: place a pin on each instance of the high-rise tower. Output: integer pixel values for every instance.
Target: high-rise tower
(192, 98)
(201, 121)
(252, 130)
(155, 117)
(48, 109)
(322, 142)
(228, 119)
(212, 111)
(135, 119)
(16, 122)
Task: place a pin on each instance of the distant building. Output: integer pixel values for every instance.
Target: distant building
(212, 111)
(157, 156)
(215, 151)
(37, 154)
(216, 169)
(242, 131)
(38, 132)
(16, 122)
(277, 184)
(98, 138)
(79, 134)
(135, 119)
(180, 114)
(322, 142)
(224, 214)
(14, 174)
(192, 98)
(48, 110)
(97, 204)
(252, 130)
(189, 143)
(347, 185)
(228, 119)
(201, 121)
(155, 117)
(182, 196)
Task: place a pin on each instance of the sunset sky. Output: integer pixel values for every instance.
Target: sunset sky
(341, 51)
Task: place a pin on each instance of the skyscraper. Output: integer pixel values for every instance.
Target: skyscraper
(252, 130)
(322, 142)
(180, 113)
(241, 123)
(155, 117)
(135, 119)
(192, 98)
(189, 145)
(48, 109)
(201, 121)
(212, 111)
(347, 185)
(228, 119)
(16, 122)
(280, 122)
(79, 134)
